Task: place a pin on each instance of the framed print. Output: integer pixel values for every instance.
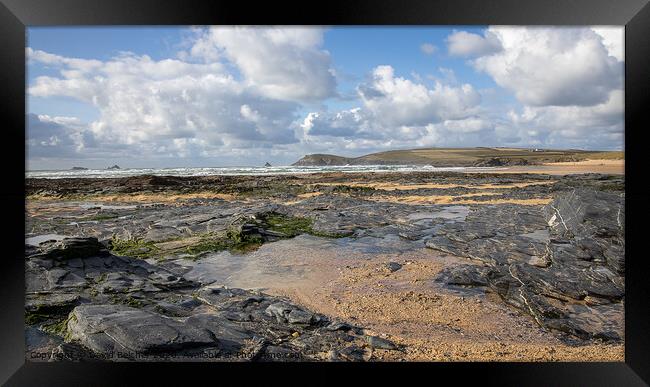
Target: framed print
(214, 186)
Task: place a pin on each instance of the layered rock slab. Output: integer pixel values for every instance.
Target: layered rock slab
(122, 308)
(562, 263)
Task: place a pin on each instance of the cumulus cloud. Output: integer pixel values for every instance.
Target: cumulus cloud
(346, 123)
(397, 101)
(398, 112)
(55, 136)
(466, 44)
(234, 91)
(469, 125)
(53, 59)
(568, 80)
(242, 94)
(598, 126)
(142, 100)
(282, 63)
(614, 39)
(552, 66)
(471, 131)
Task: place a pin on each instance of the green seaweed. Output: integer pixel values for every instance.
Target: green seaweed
(136, 248)
(247, 245)
(128, 300)
(33, 318)
(42, 313)
(59, 328)
(290, 226)
(100, 217)
(232, 240)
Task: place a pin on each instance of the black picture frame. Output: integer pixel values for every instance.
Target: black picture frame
(15, 15)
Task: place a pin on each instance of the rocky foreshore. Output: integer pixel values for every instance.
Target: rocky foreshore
(563, 263)
(141, 268)
(91, 304)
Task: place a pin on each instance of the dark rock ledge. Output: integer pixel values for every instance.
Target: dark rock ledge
(563, 263)
(85, 304)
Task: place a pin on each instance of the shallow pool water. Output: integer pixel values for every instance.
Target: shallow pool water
(37, 240)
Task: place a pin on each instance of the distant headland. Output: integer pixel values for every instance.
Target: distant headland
(461, 157)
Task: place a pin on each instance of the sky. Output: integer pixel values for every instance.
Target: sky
(156, 97)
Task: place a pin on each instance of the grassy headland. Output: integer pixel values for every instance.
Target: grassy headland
(462, 157)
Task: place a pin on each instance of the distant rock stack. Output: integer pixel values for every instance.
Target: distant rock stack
(114, 167)
(268, 164)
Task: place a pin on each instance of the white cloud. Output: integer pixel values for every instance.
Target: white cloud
(568, 80)
(468, 125)
(465, 44)
(471, 131)
(282, 63)
(237, 95)
(591, 125)
(346, 123)
(240, 98)
(398, 112)
(552, 66)
(614, 39)
(397, 101)
(428, 48)
(59, 120)
(149, 103)
(142, 100)
(54, 136)
(52, 59)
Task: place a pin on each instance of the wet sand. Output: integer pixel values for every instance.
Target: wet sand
(614, 167)
(434, 323)
(445, 199)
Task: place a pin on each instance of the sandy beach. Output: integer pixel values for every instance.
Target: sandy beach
(616, 167)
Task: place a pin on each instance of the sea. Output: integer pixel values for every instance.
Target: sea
(275, 170)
